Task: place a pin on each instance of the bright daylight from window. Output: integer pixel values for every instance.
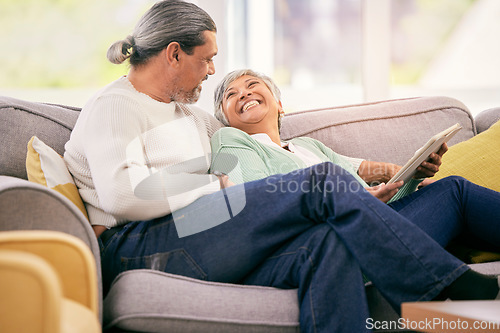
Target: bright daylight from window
(321, 52)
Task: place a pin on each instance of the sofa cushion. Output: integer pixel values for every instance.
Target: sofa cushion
(46, 167)
(476, 159)
(152, 301)
(20, 120)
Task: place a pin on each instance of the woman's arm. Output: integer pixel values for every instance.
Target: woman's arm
(374, 173)
(377, 172)
(381, 172)
(341, 160)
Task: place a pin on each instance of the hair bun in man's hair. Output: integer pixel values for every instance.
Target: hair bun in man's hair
(121, 50)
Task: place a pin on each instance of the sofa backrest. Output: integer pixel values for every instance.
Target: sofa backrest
(388, 131)
(20, 120)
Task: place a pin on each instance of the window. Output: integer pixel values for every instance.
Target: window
(447, 47)
(320, 52)
(332, 52)
(312, 48)
(55, 51)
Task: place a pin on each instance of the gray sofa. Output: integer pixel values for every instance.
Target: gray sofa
(150, 301)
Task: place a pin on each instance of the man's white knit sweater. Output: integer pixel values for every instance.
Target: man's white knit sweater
(134, 158)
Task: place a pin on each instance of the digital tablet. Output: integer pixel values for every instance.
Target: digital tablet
(432, 146)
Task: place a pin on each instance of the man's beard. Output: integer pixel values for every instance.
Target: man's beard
(187, 97)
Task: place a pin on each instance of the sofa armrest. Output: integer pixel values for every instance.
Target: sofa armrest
(28, 206)
(486, 118)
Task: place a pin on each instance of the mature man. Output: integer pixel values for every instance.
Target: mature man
(140, 157)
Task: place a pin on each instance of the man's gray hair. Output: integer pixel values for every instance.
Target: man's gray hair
(230, 78)
(166, 22)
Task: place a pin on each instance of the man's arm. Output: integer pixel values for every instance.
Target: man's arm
(128, 185)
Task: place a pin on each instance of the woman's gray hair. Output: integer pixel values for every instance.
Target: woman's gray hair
(166, 22)
(230, 78)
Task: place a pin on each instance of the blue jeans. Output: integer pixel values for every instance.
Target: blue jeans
(318, 239)
(454, 206)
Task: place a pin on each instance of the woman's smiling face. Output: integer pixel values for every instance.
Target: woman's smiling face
(249, 105)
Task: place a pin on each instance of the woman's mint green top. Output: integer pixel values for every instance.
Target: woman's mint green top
(244, 159)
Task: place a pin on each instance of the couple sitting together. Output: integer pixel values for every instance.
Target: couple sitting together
(320, 239)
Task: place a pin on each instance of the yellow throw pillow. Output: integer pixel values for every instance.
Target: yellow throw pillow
(46, 167)
(477, 159)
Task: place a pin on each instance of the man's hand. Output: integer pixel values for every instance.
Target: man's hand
(431, 166)
(385, 192)
(99, 229)
(224, 181)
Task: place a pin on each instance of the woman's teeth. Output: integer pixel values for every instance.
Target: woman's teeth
(249, 105)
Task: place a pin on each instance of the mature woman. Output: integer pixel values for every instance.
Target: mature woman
(250, 103)
(313, 151)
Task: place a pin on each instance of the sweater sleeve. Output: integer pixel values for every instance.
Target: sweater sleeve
(335, 158)
(406, 189)
(356, 162)
(234, 154)
(127, 186)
